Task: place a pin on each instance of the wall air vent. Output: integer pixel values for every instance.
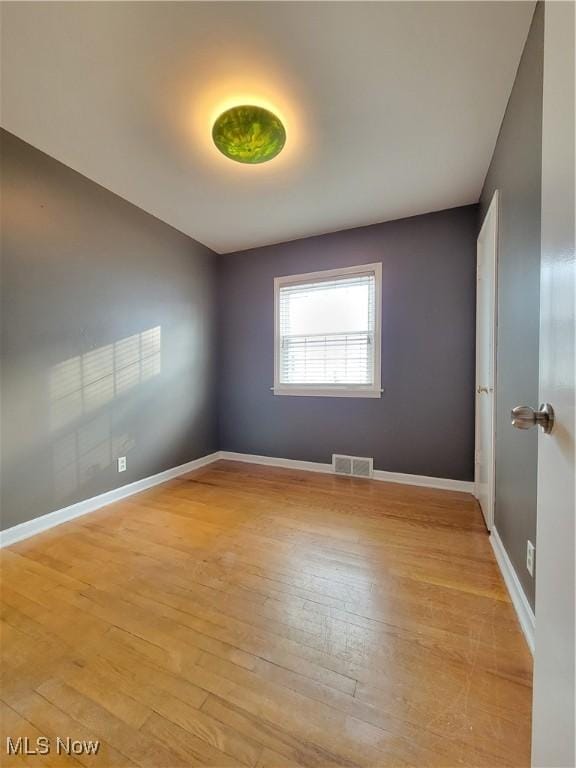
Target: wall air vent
(354, 466)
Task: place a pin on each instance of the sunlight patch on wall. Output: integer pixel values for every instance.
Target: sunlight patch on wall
(83, 384)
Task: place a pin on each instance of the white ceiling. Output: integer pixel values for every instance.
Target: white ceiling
(392, 109)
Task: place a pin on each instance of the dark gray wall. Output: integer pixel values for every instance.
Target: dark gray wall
(87, 279)
(515, 170)
(424, 422)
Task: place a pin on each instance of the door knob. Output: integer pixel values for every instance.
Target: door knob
(524, 417)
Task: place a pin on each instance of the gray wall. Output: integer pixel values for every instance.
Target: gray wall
(516, 171)
(87, 281)
(424, 422)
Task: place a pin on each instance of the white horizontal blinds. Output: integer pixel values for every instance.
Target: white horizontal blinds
(327, 331)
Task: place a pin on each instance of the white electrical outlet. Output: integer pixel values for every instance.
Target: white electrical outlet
(122, 464)
(530, 557)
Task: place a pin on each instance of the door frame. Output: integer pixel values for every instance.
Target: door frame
(490, 220)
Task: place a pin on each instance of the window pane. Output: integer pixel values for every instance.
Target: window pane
(327, 331)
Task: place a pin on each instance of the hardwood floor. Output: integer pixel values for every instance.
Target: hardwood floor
(244, 615)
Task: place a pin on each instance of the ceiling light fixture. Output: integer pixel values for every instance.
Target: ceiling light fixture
(249, 134)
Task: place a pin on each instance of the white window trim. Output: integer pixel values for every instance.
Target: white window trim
(331, 390)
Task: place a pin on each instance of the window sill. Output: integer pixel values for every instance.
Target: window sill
(327, 392)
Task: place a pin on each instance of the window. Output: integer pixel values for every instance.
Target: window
(327, 333)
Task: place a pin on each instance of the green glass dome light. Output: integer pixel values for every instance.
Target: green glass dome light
(249, 134)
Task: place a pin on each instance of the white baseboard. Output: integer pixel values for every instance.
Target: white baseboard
(51, 519)
(519, 600)
(389, 477)
(442, 483)
(272, 461)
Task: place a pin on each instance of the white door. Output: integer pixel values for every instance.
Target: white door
(554, 670)
(486, 361)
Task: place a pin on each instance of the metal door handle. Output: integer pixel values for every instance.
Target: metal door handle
(524, 417)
